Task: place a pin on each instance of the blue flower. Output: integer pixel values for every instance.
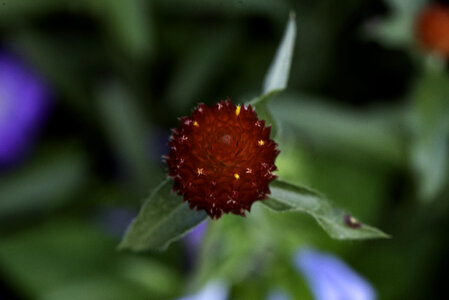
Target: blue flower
(194, 238)
(23, 103)
(193, 242)
(215, 290)
(331, 279)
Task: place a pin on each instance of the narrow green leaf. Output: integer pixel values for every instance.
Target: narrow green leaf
(129, 24)
(370, 133)
(277, 76)
(430, 128)
(337, 223)
(163, 219)
(128, 132)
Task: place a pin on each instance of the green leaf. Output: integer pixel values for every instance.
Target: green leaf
(264, 113)
(277, 76)
(92, 272)
(128, 132)
(129, 24)
(337, 223)
(49, 182)
(430, 128)
(163, 219)
(51, 241)
(372, 135)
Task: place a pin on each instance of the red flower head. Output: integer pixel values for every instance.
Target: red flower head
(222, 158)
(433, 29)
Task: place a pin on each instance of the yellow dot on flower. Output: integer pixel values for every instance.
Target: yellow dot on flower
(195, 123)
(236, 176)
(200, 171)
(237, 110)
(261, 142)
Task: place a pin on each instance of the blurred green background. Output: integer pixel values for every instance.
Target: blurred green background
(360, 122)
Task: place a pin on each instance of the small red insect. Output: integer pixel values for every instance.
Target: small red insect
(222, 158)
(433, 29)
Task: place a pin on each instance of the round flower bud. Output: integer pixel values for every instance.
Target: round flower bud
(222, 158)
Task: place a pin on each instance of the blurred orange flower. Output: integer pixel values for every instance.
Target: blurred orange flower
(433, 29)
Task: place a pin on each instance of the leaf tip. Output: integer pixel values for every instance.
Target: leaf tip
(376, 233)
(386, 236)
(123, 245)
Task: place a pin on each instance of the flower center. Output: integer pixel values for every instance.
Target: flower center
(225, 139)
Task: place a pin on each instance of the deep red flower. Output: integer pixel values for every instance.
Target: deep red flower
(433, 29)
(222, 158)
